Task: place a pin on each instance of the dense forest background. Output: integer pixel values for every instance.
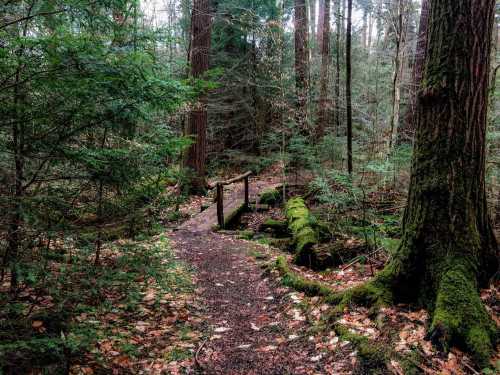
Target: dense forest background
(103, 105)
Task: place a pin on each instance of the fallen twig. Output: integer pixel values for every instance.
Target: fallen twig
(198, 352)
(359, 257)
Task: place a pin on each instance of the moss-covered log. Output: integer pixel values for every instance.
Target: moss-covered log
(448, 250)
(301, 224)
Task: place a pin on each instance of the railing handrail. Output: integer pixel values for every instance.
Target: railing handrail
(230, 181)
(220, 194)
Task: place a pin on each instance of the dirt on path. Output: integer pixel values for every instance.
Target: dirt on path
(251, 324)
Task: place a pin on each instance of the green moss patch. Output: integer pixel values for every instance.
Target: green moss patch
(270, 197)
(301, 224)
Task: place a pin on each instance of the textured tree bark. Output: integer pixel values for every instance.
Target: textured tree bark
(348, 85)
(399, 63)
(301, 63)
(409, 124)
(448, 249)
(339, 26)
(312, 25)
(321, 21)
(197, 122)
(325, 64)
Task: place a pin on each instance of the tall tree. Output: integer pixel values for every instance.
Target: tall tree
(448, 249)
(301, 63)
(418, 69)
(197, 122)
(400, 22)
(339, 28)
(312, 26)
(325, 64)
(348, 73)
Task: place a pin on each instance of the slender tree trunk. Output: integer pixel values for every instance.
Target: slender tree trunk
(364, 30)
(409, 125)
(337, 69)
(11, 257)
(276, 54)
(324, 76)
(448, 249)
(197, 122)
(301, 64)
(399, 63)
(370, 31)
(348, 85)
(312, 26)
(321, 21)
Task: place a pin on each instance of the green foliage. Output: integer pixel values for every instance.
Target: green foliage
(87, 150)
(79, 288)
(336, 189)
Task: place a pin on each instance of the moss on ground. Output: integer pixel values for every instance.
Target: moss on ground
(292, 280)
(372, 356)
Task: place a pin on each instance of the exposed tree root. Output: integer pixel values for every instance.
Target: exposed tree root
(460, 317)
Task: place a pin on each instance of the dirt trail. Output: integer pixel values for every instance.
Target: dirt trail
(252, 325)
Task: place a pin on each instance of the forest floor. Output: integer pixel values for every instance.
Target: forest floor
(252, 324)
(238, 313)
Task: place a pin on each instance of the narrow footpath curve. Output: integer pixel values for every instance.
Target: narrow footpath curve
(252, 327)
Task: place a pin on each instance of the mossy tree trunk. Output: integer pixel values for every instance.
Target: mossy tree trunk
(448, 249)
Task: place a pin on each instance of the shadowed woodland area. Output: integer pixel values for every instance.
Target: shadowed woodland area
(249, 187)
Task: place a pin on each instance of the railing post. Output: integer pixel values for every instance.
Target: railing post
(220, 205)
(247, 202)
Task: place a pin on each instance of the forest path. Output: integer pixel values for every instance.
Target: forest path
(253, 325)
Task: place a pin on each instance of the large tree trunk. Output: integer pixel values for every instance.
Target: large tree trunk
(324, 75)
(348, 85)
(197, 123)
(418, 69)
(448, 249)
(301, 63)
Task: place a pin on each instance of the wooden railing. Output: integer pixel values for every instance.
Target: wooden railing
(220, 194)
